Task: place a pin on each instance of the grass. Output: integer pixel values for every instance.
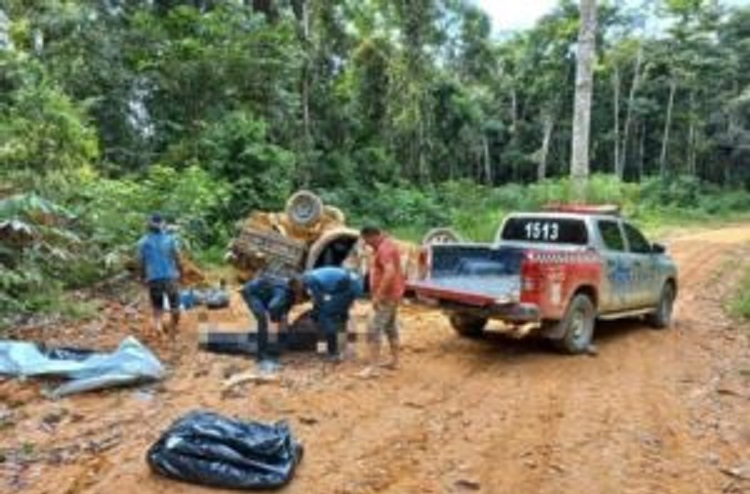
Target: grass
(739, 306)
(481, 226)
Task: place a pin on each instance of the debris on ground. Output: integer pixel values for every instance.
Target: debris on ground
(467, 485)
(209, 449)
(251, 376)
(211, 298)
(741, 472)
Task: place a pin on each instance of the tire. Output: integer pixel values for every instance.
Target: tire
(662, 316)
(441, 236)
(468, 326)
(304, 209)
(578, 325)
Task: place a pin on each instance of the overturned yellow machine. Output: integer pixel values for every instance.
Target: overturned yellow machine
(309, 234)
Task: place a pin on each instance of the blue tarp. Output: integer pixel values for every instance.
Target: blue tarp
(131, 363)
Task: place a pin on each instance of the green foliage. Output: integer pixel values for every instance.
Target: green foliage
(46, 248)
(41, 129)
(36, 244)
(739, 306)
(236, 149)
(114, 212)
(476, 210)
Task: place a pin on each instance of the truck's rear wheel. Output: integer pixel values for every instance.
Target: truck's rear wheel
(467, 325)
(578, 325)
(662, 316)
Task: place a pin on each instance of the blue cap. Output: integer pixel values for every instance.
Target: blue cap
(156, 220)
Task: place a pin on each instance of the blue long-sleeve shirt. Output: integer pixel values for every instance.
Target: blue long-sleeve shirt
(332, 290)
(270, 294)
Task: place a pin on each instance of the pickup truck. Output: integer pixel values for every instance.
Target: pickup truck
(552, 273)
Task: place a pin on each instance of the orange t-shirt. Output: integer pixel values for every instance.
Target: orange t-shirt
(387, 253)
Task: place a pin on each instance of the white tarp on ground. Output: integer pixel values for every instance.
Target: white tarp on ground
(131, 363)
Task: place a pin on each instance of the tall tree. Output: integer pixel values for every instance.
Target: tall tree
(579, 166)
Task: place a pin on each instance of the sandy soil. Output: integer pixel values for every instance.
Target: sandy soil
(654, 412)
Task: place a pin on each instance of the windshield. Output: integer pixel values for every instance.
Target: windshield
(548, 230)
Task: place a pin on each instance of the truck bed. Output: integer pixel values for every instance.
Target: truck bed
(474, 274)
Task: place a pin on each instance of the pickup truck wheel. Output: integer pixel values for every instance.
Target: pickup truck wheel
(578, 325)
(662, 316)
(467, 325)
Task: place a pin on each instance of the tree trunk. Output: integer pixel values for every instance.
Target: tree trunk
(5, 43)
(667, 125)
(308, 144)
(549, 124)
(487, 163)
(424, 175)
(641, 150)
(616, 111)
(691, 137)
(629, 114)
(579, 165)
(514, 112)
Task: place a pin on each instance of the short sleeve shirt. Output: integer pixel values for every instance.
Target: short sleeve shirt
(158, 254)
(387, 253)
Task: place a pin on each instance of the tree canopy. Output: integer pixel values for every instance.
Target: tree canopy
(279, 94)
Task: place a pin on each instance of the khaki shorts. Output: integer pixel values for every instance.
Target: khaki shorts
(383, 320)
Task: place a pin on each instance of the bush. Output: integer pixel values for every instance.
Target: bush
(740, 303)
(55, 248)
(37, 242)
(41, 129)
(113, 212)
(236, 150)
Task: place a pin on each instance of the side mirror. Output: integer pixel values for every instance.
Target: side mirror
(658, 248)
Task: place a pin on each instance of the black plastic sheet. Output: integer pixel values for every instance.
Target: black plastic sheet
(209, 449)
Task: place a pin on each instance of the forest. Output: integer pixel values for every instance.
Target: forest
(410, 114)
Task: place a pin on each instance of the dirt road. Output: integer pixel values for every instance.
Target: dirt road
(654, 412)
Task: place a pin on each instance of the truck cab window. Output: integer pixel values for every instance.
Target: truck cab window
(611, 235)
(638, 243)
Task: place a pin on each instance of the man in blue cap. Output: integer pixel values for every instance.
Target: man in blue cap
(333, 291)
(158, 254)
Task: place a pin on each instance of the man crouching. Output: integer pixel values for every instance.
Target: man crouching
(333, 291)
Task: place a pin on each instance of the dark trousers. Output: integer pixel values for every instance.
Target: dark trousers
(265, 304)
(332, 325)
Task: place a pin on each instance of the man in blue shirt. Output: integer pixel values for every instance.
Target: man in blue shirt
(268, 297)
(160, 269)
(333, 290)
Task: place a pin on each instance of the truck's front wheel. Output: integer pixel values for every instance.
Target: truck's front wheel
(467, 325)
(578, 325)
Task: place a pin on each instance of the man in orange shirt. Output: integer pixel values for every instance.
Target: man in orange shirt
(387, 285)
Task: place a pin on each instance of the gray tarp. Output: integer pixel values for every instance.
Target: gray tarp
(130, 363)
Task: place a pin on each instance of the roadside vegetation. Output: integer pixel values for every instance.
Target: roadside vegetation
(48, 249)
(739, 306)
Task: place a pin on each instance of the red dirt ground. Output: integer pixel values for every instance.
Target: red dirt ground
(654, 412)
